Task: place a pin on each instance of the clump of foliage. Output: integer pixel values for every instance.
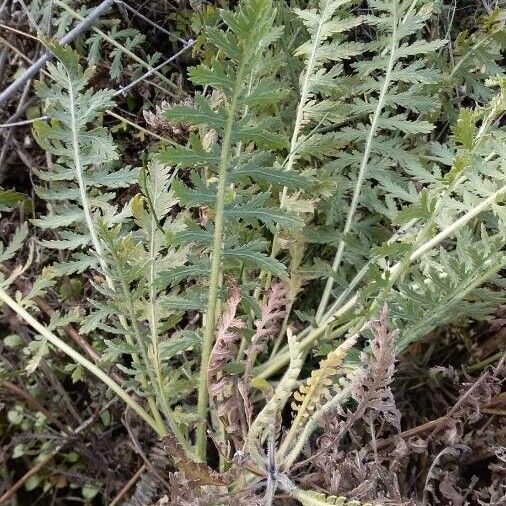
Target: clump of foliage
(258, 261)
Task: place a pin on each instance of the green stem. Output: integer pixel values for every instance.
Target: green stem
(281, 360)
(78, 358)
(144, 353)
(362, 171)
(299, 117)
(478, 366)
(79, 169)
(214, 278)
(473, 49)
(153, 325)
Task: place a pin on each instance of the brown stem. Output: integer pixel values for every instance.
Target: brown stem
(34, 470)
(34, 404)
(128, 485)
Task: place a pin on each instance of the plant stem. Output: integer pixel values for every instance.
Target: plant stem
(473, 49)
(214, 278)
(304, 93)
(299, 117)
(79, 169)
(145, 356)
(281, 360)
(78, 358)
(362, 171)
(153, 325)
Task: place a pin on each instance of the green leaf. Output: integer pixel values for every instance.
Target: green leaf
(13, 341)
(199, 195)
(15, 243)
(187, 301)
(254, 211)
(251, 254)
(187, 157)
(270, 175)
(201, 114)
(53, 221)
(33, 482)
(174, 276)
(419, 47)
(121, 178)
(9, 199)
(89, 491)
(400, 123)
(15, 416)
(184, 340)
(263, 94)
(234, 368)
(262, 133)
(464, 130)
(19, 451)
(69, 241)
(119, 346)
(224, 42)
(213, 76)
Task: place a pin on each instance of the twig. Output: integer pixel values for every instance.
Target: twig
(140, 128)
(34, 470)
(435, 424)
(3, 59)
(18, 113)
(499, 412)
(28, 14)
(9, 133)
(149, 21)
(34, 69)
(188, 45)
(21, 123)
(138, 449)
(19, 32)
(115, 43)
(128, 485)
(35, 404)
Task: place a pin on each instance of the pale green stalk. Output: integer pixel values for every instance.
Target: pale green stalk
(272, 366)
(304, 94)
(78, 358)
(362, 171)
(79, 169)
(82, 185)
(153, 325)
(214, 278)
(299, 117)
